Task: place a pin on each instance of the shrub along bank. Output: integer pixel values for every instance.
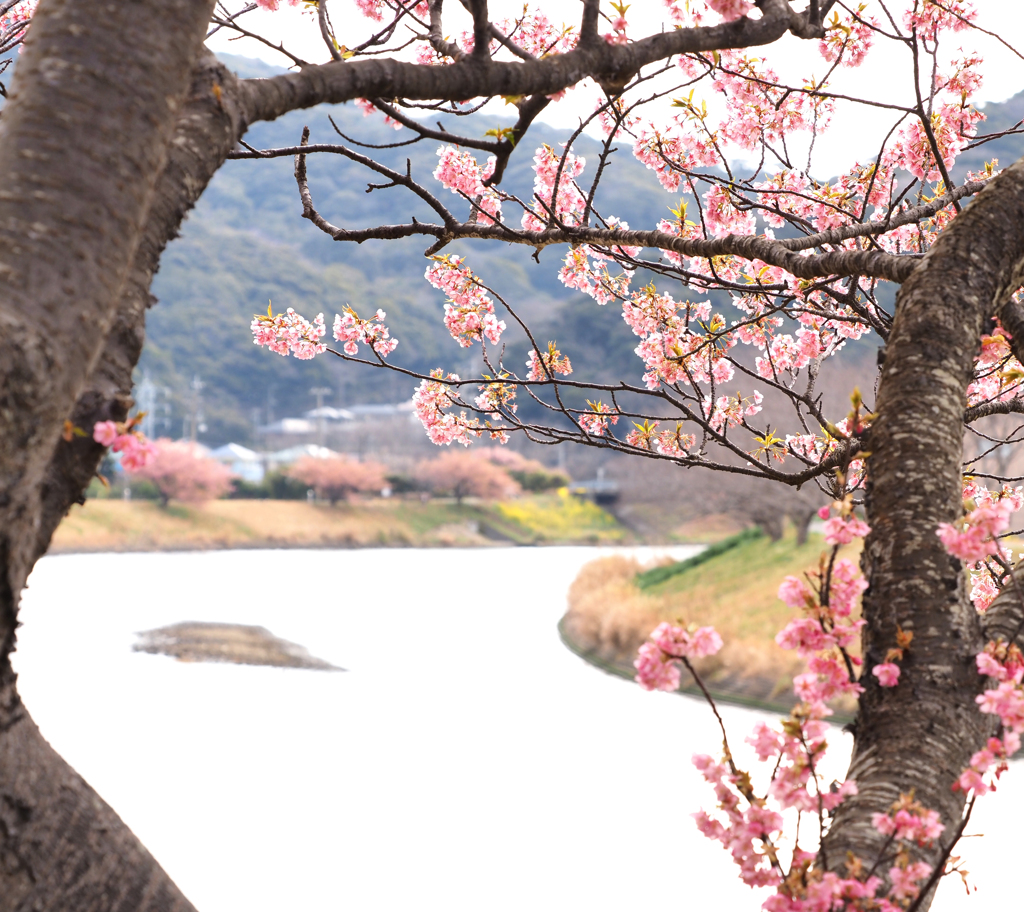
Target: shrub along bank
(614, 604)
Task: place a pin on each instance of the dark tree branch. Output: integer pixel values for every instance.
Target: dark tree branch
(467, 78)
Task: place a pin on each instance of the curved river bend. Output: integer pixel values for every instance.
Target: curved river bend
(467, 761)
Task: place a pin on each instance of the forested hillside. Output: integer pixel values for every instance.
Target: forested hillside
(246, 244)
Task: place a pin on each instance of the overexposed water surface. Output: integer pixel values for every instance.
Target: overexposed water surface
(466, 762)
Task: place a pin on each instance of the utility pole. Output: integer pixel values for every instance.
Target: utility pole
(320, 392)
(197, 415)
(271, 402)
(145, 401)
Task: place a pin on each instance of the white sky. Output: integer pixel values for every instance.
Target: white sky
(856, 130)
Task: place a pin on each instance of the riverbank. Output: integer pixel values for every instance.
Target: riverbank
(117, 525)
(613, 606)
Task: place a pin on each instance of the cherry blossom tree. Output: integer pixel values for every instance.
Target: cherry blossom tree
(336, 477)
(763, 272)
(464, 475)
(181, 472)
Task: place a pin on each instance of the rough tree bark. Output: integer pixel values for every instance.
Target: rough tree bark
(71, 215)
(920, 735)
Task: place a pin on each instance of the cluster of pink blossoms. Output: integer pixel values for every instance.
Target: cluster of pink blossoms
(586, 269)
(459, 172)
(537, 35)
(671, 350)
(997, 374)
(731, 9)
(929, 17)
(122, 437)
(1005, 664)
(953, 121)
(618, 33)
(822, 635)
(983, 577)
(975, 536)
(671, 152)
(750, 826)
(469, 312)
(498, 396)
(759, 108)
(848, 38)
(435, 401)
(596, 421)
(351, 329)
(564, 203)
(723, 216)
(657, 665)
(732, 411)
(18, 14)
(533, 32)
(792, 193)
(545, 366)
(649, 436)
(785, 353)
(289, 333)
(432, 401)
(841, 530)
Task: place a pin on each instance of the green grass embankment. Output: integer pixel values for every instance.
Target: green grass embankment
(116, 525)
(614, 605)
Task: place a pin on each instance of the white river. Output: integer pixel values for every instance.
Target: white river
(466, 762)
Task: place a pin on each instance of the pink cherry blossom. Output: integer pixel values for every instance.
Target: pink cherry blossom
(888, 674)
(350, 329)
(845, 587)
(849, 38)
(459, 172)
(839, 531)
(136, 451)
(435, 402)
(469, 312)
(655, 670)
(796, 593)
(678, 641)
(105, 432)
(289, 333)
(731, 9)
(556, 194)
(544, 367)
(497, 397)
(597, 421)
(975, 536)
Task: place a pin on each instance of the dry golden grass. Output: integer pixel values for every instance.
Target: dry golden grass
(113, 525)
(736, 592)
(117, 525)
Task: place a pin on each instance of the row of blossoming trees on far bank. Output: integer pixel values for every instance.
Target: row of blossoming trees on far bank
(180, 471)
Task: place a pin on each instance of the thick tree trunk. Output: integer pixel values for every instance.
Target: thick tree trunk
(208, 128)
(920, 735)
(61, 847)
(83, 140)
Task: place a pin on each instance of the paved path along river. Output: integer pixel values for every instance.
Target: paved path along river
(466, 762)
